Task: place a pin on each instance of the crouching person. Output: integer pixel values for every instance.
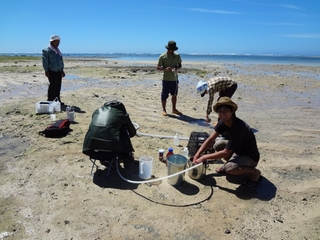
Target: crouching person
(240, 150)
(109, 134)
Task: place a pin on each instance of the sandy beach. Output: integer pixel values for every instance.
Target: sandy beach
(47, 191)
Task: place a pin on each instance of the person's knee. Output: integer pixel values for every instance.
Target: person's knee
(164, 97)
(231, 168)
(219, 145)
(232, 171)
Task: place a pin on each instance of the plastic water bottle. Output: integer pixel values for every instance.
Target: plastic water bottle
(176, 140)
(71, 114)
(57, 105)
(185, 152)
(67, 111)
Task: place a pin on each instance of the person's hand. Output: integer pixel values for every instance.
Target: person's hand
(47, 74)
(197, 159)
(208, 120)
(63, 74)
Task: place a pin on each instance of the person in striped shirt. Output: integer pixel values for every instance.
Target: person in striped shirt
(225, 86)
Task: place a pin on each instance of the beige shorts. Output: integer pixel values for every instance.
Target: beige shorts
(235, 161)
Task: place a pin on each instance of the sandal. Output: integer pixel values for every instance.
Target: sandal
(252, 184)
(221, 170)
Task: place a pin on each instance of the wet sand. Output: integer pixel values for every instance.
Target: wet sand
(48, 192)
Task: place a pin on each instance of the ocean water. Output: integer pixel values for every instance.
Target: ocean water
(221, 58)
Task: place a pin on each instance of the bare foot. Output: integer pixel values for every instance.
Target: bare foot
(164, 113)
(175, 111)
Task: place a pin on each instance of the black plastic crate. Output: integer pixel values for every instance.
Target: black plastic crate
(196, 139)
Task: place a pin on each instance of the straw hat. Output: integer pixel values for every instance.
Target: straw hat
(172, 45)
(225, 101)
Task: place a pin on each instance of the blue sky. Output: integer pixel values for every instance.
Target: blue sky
(289, 27)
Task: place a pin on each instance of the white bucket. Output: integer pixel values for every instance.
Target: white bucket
(71, 116)
(45, 107)
(145, 167)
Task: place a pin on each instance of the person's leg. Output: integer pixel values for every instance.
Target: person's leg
(174, 102)
(164, 111)
(241, 165)
(164, 96)
(58, 87)
(228, 92)
(52, 87)
(174, 93)
(220, 145)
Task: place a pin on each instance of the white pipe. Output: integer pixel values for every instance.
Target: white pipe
(156, 179)
(136, 126)
(159, 136)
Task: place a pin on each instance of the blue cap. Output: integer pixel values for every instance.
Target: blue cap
(170, 149)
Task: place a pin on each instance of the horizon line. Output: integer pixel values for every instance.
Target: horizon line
(191, 54)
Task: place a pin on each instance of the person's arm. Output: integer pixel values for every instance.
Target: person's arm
(225, 153)
(179, 66)
(63, 73)
(130, 127)
(208, 119)
(161, 68)
(45, 62)
(209, 105)
(207, 144)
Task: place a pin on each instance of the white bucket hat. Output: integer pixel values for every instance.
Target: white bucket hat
(202, 86)
(54, 37)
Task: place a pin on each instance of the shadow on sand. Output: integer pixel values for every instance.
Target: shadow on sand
(264, 191)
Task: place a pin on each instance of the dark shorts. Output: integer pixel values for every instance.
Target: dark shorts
(228, 92)
(169, 87)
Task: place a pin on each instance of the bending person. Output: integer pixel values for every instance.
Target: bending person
(109, 134)
(240, 151)
(224, 85)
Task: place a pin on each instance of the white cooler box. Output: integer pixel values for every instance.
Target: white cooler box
(48, 107)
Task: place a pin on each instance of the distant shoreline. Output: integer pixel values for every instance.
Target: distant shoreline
(216, 58)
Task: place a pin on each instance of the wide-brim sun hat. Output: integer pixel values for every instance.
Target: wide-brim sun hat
(54, 38)
(172, 45)
(202, 86)
(225, 101)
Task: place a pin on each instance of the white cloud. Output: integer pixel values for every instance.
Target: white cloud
(211, 11)
(270, 5)
(291, 6)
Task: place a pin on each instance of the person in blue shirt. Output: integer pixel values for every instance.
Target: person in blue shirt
(52, 62)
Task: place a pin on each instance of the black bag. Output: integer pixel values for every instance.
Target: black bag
(58, 129)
